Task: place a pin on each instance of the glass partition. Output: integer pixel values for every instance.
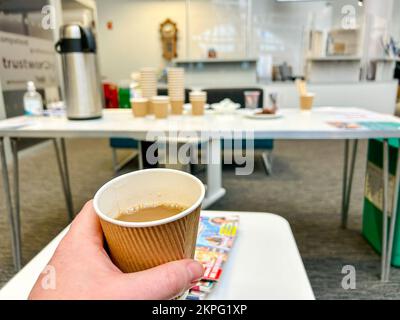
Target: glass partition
(219, 25)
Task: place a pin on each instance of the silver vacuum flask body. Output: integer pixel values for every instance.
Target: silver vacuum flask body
(82, 85)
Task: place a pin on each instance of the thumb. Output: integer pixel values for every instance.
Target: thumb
(162, 282)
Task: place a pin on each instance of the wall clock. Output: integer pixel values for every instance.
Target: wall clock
(169, 32)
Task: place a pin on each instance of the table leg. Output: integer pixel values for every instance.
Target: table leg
(17, 202)
(143, 161)
(114, 159)
(66, 171)
(385, 177)
(351, 175)
(63, 168)
(162, 152)
(348, 179)
(214, 173)
(140, 155)
(344, 186)
(14, 221)
(393, 218)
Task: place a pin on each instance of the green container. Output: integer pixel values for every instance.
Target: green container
(372, 213)
(124, 98)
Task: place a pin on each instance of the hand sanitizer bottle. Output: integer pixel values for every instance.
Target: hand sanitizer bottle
(33, 103)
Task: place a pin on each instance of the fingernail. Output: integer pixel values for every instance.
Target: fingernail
(195, 270)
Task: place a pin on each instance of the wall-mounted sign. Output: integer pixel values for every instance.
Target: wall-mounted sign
(169, 32)
(24, 58)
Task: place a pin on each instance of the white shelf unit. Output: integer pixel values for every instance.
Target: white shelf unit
(333, 69)
(339, 59)
(219, 71)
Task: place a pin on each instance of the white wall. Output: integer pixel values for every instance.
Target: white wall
(273, 28)
(82, 16)
(374, 96)
(395, 26)
(279, 29)
(221, 25)
(379, 16)
(337, 15)
(134, 42)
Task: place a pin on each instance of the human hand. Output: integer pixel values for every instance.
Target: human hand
(83, 269)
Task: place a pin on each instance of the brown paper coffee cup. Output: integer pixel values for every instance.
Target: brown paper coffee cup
(176, 107)
(150, 107)
(160, 110)
(198, 100)
(160, 106)
(306, 101)
(136, 246)
(139, 106)
(197, 108)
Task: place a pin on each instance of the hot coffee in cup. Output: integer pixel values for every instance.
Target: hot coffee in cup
(150, 217)
(150, 213)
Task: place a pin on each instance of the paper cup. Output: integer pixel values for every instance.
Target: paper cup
(150, 108)
(197, 108)
(198, 95)
(177, 107)
(160, 109)
(160, 106)
(198, 100)
(139, 106)
(306, 102)
(137, 246)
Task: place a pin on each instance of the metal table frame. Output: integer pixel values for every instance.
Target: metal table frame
(13, 205)
(387, 237)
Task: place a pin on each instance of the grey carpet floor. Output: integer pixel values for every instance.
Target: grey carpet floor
(305, 188)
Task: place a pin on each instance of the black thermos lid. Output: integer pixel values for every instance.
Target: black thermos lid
(75, 38)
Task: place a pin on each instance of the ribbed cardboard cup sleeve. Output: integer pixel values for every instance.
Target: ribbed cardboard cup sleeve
(135, 249)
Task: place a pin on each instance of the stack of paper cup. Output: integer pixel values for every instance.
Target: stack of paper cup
(198, 100)
(176, 89)
(148, 83)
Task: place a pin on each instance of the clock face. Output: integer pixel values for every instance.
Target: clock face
(168, 30)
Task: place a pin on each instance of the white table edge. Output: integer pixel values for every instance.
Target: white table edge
(47, 252)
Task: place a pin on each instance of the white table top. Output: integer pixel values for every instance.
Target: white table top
(120, 123)
(264, 263)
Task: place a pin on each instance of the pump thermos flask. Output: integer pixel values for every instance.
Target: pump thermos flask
(82, 85)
